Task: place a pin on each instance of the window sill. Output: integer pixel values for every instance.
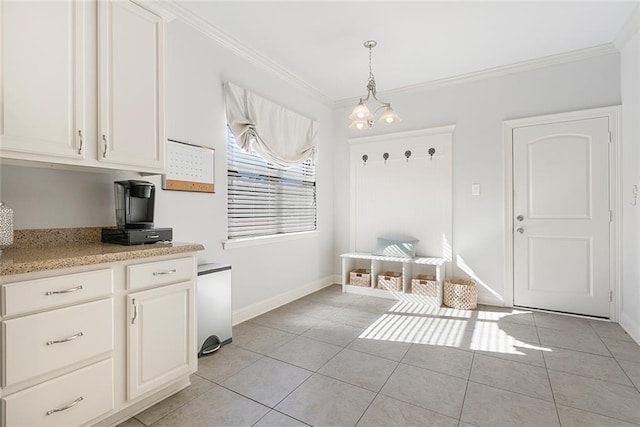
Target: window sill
(264, 240)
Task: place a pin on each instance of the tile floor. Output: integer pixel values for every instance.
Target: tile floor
(334, 359)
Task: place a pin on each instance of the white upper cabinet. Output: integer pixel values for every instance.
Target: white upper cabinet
(130, 70)
(51, 89)
(43, 77)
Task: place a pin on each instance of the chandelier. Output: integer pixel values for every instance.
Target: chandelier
(361, 117)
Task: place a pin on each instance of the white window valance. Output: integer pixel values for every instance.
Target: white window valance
(282, 137)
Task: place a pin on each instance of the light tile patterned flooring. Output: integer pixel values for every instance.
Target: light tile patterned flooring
(335, 359)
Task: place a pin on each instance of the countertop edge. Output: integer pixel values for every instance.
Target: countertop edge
(57, 263)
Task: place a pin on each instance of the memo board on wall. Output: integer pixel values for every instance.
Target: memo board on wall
(189, 167)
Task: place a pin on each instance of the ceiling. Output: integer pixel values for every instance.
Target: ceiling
(321, 42)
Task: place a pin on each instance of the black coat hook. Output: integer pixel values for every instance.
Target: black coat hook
(385, 156)
(407, 154)
(364, 159)
(431, 152)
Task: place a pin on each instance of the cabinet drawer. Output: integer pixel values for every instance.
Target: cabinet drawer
(37, 344)
(158, 273)
(90, 387)
(32, 295)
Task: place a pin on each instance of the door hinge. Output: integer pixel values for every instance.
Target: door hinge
(610, 138)
(610, 296)
(610, 216)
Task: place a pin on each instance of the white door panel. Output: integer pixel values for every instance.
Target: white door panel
(42, 78)
(555, 190)
(561, 211)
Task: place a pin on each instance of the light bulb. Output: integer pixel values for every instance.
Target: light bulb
(359, 124)
(389, 116)
(361, 112)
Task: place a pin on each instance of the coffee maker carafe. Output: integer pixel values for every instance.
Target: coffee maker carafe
(135, 202)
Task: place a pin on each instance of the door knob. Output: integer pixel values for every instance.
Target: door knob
(520, 218)
(520, 230)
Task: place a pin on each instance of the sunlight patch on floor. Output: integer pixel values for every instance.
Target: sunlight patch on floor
(465, 329)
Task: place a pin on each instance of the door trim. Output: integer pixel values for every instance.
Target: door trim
(613, 113)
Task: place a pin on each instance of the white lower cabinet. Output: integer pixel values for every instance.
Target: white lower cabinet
(160, 341)
(70, 400)
(93, 345)
(37, 344)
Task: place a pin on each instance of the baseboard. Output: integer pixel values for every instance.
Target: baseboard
(631, 326)
(262, 307)
(488, 299)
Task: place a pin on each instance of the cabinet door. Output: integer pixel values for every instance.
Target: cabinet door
(42, 79)
(131, 122)
(161, 337)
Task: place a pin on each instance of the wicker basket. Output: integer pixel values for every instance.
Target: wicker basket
(390, 280)
(461, 294)
(425, 285)
(360, 277)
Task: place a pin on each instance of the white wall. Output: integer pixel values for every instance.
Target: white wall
(630, 88)
(54, 198)
(195, 70)
(478, 110)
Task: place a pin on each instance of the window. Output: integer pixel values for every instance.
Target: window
(267, 200)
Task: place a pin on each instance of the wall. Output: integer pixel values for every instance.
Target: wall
(195, 70)
(630, 275)
(478, 110)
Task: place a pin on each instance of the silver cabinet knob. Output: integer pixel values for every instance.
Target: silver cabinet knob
(520, 218)
(520, 230)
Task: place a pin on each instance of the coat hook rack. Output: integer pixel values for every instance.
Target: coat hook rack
(407, 154)
(364, 159)
(431, 152)
(385, 156)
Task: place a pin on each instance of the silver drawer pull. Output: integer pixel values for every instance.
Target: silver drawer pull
(156, 273)
(64, 408)
(65, 291)
(152, 236)
(71, 338)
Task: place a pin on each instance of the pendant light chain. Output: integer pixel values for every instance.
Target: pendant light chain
(371, 77)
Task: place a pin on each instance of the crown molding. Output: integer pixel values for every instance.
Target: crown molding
(533, 64)
(632, 25)
(630, 28)
(242, 50)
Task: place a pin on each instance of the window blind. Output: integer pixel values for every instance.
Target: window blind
(264, 199)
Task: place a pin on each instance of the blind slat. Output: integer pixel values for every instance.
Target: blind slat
(267, 200)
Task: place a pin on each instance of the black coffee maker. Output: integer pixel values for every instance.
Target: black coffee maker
(135, 202)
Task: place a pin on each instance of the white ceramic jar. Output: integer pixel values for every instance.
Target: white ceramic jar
(6, 226)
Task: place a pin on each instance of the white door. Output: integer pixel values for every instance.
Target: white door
(131, 43)
(561, 211)
(42, 77)
(161, 337)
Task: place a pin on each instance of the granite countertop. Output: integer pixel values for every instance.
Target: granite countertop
(73, 248)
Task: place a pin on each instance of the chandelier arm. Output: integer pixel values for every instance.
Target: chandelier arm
(384, 105)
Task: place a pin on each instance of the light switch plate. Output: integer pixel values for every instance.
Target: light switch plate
(475, 189)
